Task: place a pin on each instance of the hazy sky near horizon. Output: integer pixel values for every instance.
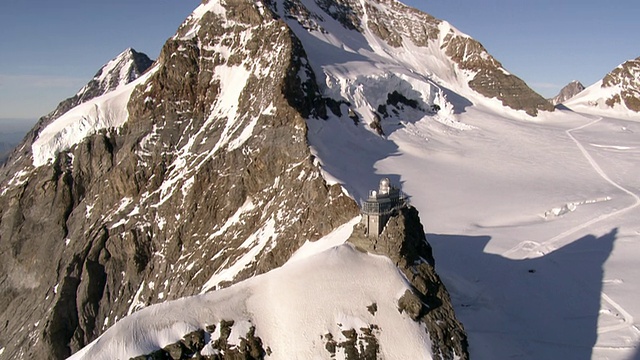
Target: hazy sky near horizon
(50, 49)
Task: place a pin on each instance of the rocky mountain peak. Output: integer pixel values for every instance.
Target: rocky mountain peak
(189, 179)
(428, 302)
(199, 174)
(570, 90)
(121, 70)
(626, 78)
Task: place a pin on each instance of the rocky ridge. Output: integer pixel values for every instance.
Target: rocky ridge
(202, 344)
(123, 69)
(210, 180)
(120, 71)
(626, 78)
(404, 242)
(570, 90)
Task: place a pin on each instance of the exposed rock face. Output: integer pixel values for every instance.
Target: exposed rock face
(491, 79)
(404, 242)
(570, 90)
(626, 78)
(200, 181)
(209, 182)
(358, 345)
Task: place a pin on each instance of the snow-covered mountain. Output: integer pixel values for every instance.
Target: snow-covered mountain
(232, 169)
(570, 90)
(123, 69)
(115, 75)
(618, 92)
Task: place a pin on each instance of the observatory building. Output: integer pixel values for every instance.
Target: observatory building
(380, 206)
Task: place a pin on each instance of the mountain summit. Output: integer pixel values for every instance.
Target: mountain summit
(123, 69)
(570, 90)
(353, 43)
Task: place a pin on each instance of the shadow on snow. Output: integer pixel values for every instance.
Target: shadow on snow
(542, 308)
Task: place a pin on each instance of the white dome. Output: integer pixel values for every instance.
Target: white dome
(385, 184)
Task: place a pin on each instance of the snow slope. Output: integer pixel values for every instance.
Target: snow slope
(362, 68)
(326, 288)
(350, 66)
(593, 100)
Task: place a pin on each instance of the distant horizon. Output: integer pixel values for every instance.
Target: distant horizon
(56, 48)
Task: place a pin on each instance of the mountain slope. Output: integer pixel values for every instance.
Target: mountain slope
(123, 69)
(296, 311)
(386, 44)
(617, 93)
(115, 75)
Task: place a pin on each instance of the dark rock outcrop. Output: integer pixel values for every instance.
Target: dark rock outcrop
(491, 79)
(404, 242)
(358, 345)
(195, 345)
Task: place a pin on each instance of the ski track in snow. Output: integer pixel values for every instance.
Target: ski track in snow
(552, 244)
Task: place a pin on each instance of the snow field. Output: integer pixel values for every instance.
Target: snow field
(522, 284)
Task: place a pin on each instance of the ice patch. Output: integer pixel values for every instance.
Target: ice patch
(612, 147)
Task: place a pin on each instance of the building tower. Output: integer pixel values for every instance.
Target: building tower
(380, 206)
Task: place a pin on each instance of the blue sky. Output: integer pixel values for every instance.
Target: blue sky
(49, 49)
